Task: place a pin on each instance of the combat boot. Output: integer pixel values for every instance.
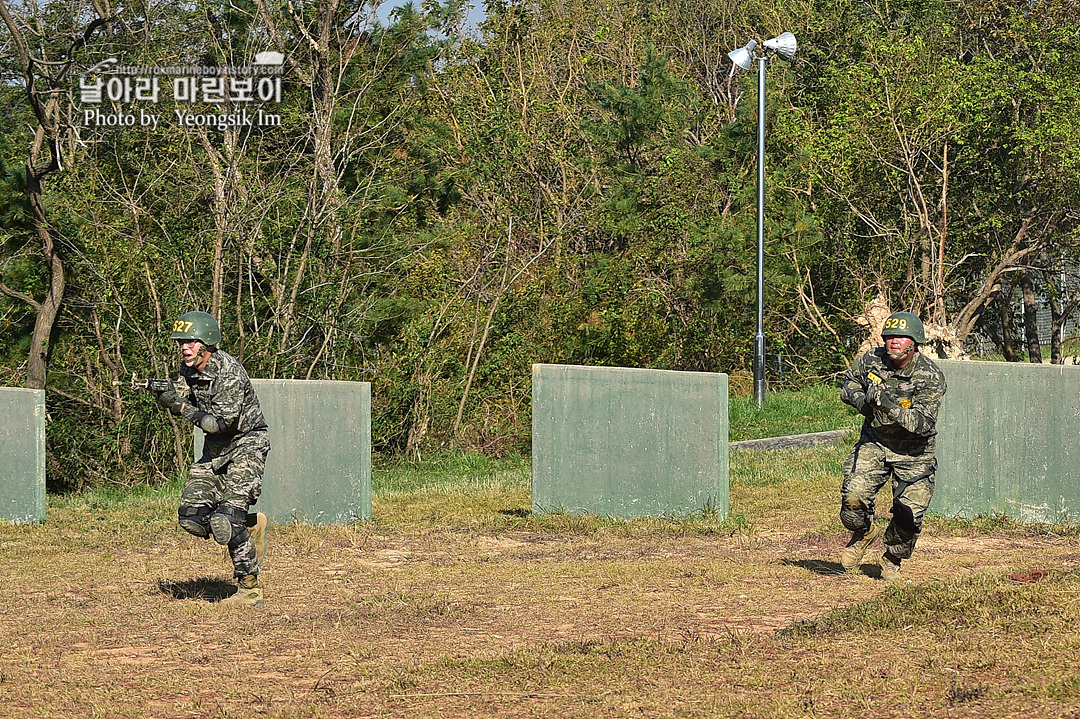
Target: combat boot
(856, 548)
(248, 593)
(890, 568)
(258, 536)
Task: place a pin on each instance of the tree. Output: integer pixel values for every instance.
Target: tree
(44, 59)
(923, 141)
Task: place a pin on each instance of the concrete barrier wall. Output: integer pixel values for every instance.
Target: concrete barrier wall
(1009, 442)
(22, 454)
(319, 467)
(626, 442)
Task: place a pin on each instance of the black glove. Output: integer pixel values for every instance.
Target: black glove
(858, 401)
(170, 400)
(853, 394)
(157, 386)
(879, 394)
(873, 393)
(887, 401)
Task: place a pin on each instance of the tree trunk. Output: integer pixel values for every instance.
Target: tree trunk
(1008, 348)
(47, 310)
(1056, 321)
(322, 217)
(989, 331)
(1031, 318)
(965, 320)
(222, 207)
(925, 285)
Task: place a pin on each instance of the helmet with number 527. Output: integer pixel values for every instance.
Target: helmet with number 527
(904, 324)
(197, 326)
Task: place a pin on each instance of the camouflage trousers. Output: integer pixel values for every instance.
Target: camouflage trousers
(866, 470)
(235, 485)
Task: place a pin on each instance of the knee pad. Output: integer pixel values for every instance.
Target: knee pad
(194, 520)
(229, 525)
(855, 519)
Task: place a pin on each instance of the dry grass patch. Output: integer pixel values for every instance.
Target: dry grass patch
(456, 601)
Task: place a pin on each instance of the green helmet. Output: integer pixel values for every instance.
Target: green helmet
(197, 326)
(904, 324)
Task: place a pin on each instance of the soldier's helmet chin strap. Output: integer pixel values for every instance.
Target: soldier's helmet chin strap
(897, 355)
(203, 349)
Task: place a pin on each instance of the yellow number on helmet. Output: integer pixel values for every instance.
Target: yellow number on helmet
(902, 324)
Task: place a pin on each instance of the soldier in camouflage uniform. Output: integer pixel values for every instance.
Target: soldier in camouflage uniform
(215, 394)
(898, 390)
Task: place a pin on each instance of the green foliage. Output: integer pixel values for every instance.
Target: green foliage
(572, 183)
(446, 470)
(644, 116)
(813, 409)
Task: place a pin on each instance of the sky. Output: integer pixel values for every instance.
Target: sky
(476, 13)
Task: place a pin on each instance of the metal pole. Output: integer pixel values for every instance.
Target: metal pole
(759, 338)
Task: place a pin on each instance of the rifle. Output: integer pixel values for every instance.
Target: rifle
(154, 385)
(135, 382)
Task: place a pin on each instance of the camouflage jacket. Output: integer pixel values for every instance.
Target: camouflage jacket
(910, 424)
(222, 403)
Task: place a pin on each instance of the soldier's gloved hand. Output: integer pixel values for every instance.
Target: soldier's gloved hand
(170, 401)
(873, 393)
(157, 386)
(851, 393)
(886, 399)
(857, 400)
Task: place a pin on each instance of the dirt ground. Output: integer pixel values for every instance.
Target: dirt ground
(101, 616)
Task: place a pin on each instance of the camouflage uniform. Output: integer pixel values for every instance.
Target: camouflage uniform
(228, 476)
(895, 443)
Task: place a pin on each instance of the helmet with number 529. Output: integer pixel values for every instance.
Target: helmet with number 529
(904, 324)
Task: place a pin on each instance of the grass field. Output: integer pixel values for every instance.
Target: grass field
(457, 602)
(814, 409)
